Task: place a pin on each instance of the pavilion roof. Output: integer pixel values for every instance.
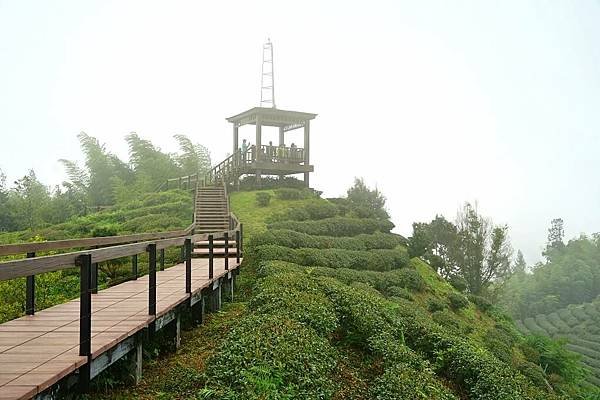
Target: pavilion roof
(286, 119)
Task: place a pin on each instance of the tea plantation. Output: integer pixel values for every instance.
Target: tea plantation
(330, 306)
(579, 325)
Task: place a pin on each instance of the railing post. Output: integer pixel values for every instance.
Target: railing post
(134, 266)
(162, 259)
(30, 291)
(85, 318)
(188, 265)
(179, 182)
(237, 245)
(241, 240)
(211, 258)
(226, 238)
(152, 279)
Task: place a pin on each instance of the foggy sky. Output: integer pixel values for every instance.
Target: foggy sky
(434, 102)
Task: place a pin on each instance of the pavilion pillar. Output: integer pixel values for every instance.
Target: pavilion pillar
(236, 145)
(281, 136)
(258, 149)
(236, 149)
(306, 150)
(281, 143)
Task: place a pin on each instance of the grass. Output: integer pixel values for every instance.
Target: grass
(178, 375)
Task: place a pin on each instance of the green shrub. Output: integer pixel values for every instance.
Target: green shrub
(334, 258)
(396, 291)
(105, 230)
(482, 303)
(310, 309)
(449, 321)
(270, 182)
(458, 283)
(289, 194)
(273, 357)
(435, 304)
(405, 278)
(337, 226)
(267, 268)
(263, 199)
(500, 342)
(294, 239)
(313, 210)
(400, 382)
(457, 301)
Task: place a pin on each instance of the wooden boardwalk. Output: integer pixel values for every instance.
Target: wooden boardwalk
(39, 350)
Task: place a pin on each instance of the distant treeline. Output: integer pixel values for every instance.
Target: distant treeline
(102, 181)
(570, 275)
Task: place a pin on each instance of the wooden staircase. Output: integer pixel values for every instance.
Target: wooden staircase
(212, 215)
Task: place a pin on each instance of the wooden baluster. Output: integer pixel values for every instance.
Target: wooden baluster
(30, 291)
(188, 265)
(210, 257)
(152, 279)
(226, 239)
(237, 245)
(85, 318)
(134, 266)
(162, 259)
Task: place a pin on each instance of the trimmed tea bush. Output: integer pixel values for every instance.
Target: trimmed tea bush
(310, 309)
(436, 304)
(263, 199)
(376, 260)
(296, 240)
(270, 356)
(289, 194)
(313, 210)
(457, 301)
(337, 226)
(400, 382)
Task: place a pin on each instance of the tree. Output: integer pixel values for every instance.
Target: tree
(194, 158)
(101, 167)
(472, 249)
(6, 218)
(366, 202)
(556, 235)
(520, 266)
(483, 251)
(29, 197)
(151, 166)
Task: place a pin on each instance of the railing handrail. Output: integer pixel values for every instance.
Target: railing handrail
(34, 247)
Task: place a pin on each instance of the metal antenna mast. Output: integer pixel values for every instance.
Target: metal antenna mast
(267, 90)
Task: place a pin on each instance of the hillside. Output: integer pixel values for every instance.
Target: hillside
(333, 308)
(579, 325)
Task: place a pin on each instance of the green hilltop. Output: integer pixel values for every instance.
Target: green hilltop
(332, 307)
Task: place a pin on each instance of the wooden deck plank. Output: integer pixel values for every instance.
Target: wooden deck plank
(37, 351)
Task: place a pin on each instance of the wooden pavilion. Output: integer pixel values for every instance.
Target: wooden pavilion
(279, 159)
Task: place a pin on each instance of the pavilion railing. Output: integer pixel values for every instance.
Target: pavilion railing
(235, 165)
(280, 154)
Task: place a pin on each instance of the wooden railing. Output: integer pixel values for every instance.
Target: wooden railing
(87, 262)
(280, 154)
